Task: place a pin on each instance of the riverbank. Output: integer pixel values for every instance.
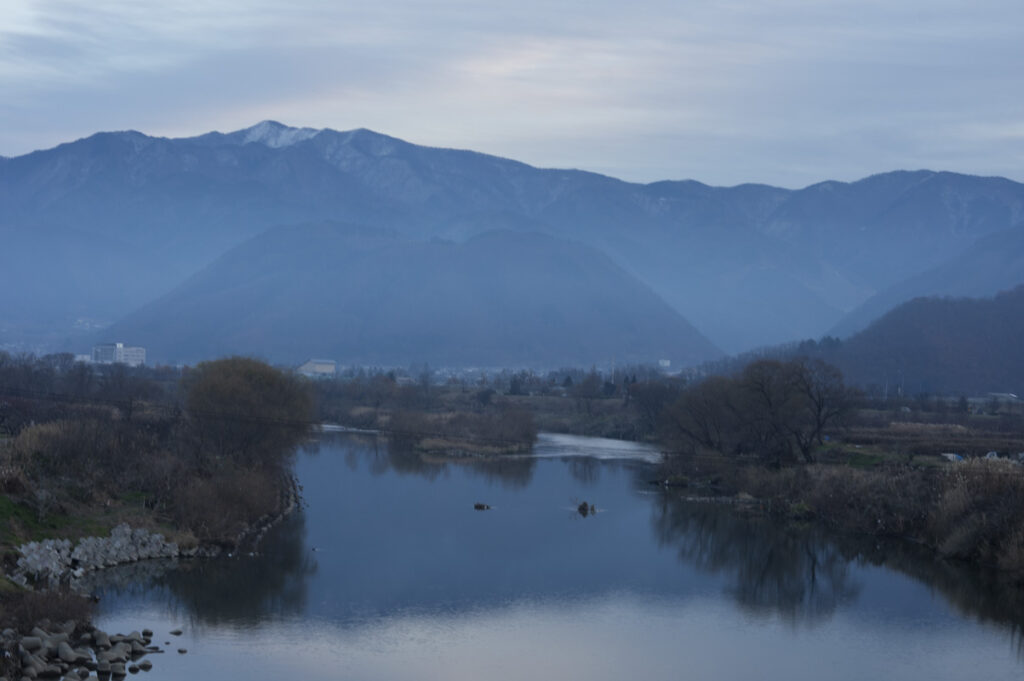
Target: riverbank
(73, 651)
(971, 511)
(85, 485)
(50, 563)
(51, 582)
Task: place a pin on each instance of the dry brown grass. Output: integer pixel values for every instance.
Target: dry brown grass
(218, 508)
(22, 610)
(972, 511)
(507, 430)
(915, 428)
(980, 513)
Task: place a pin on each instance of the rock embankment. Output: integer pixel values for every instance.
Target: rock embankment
(59, 560)
(73, 652)
(56, 561)
(290, 500)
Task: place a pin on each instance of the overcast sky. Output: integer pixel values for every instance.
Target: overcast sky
(787, 92)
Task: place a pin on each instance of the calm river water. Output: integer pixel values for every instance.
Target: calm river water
(389, 573)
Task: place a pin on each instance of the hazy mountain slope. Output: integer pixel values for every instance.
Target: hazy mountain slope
(957, 346)
(32, 261)
(718, 284)
(751, 264)
(993, 264)
(885, 228)
(363, 296)
(188, 200)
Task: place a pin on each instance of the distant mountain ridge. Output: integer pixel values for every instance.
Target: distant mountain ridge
(992, 264)
(965, 346)
(748, 265)
(363, 296)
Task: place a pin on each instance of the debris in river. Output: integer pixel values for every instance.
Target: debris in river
(585, 509)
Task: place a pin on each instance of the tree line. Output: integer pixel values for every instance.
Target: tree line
(775, 411)
(205, 449)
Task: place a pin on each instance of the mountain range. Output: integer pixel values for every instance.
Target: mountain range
(102, 227)
(338, 290)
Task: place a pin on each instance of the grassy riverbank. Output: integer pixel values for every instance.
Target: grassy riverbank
(200, 459)
(793, 436)
(971, 511)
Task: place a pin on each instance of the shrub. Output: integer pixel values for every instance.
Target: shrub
(980, 513)
(509, 427)
(218, 508)
(22, 610)
(246, 412)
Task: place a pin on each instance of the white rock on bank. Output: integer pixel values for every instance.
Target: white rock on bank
(54, 559)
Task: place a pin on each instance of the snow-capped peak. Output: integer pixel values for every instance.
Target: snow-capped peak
(276, 135)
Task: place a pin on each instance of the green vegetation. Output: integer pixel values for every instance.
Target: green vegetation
(865, 460)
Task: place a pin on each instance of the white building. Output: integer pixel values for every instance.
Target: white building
(318, 368)
(118, 353)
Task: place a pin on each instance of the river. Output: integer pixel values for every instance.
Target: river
(389, 573)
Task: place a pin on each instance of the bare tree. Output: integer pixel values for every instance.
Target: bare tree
(705, 415)
(825, 401)
(774, 409)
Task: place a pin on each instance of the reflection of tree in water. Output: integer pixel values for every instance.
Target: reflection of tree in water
(791, 571)
(404, 460)
(511, 471)
(585, 469)
(383, 455)
(242, 590)
(986, 595)
(248, 589)
(801, 572)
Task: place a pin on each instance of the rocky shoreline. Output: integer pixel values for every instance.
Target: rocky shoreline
(73, 652)
(58, 561)
(53, 562)
(292, 499)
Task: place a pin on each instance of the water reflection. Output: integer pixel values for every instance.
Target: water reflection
(795, 572)
(803, 572)
(982, 594)
(249, 588)
(585, 469)
(384, 455)
(390, 562)
(237, 589)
